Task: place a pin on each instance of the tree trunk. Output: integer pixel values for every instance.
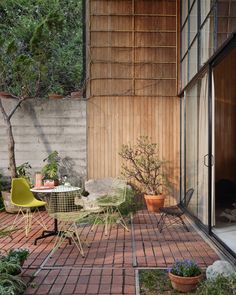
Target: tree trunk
(11, 142)
(11, 149)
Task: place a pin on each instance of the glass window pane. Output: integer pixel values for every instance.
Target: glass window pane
(192, 145)
(184, 11)
(197, 147)
(205, 9)
(226, 19)
(232, 24)
(193, 23)
(184, 71)
(207, 40)
(191, 2)
(223, 8)
(193, 59)
(184, 40)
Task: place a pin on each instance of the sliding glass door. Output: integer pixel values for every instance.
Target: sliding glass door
(196, 147)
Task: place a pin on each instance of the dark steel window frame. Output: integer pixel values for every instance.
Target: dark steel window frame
(226, 47)
(200, 25)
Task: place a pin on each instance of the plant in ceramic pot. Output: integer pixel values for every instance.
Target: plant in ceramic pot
(185, 275)
(50, 170)
(143, 165)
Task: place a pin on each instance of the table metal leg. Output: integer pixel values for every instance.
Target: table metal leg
(50, 233)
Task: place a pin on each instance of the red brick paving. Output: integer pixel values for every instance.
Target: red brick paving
(110, 262)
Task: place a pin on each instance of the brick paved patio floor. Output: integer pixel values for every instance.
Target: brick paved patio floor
(110, 264)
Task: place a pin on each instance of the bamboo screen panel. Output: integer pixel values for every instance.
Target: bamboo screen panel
(132, 82)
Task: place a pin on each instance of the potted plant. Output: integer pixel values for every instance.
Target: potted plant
(56, 92)
(50, 170)
(185, 275)
(143, 165)
(20, 254)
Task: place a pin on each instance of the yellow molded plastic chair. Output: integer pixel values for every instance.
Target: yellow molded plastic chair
(22, 196)
(110, 204)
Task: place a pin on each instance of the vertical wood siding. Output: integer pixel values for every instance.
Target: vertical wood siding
(132, 82)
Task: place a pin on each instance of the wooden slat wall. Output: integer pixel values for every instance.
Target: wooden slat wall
(132, 82)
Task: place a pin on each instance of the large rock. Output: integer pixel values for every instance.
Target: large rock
(219, 267)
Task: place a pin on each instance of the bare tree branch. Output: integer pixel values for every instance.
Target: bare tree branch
(16, 107)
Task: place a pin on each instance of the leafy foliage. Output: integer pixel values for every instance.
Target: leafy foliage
(143, 165)
(6, 231)
(9, 266)
(40, 46)
(11, 285)
(19, 254)
(221, 285)
(154, 282)
(185, 268)
(24, 171)
(50, 170)
(130, 204)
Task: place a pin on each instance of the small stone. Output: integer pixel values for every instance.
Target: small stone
(219, 267)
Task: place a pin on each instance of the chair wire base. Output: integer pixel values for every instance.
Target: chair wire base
(28, 217)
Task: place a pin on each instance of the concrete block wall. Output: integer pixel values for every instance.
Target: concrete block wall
(42, 126)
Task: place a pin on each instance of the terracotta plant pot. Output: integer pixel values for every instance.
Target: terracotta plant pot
(184, 284)
(51, 182)
(5, 94)
(76, 94)
(55, 96)
(154, 202)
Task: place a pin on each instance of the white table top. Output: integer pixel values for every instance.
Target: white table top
(57, 189)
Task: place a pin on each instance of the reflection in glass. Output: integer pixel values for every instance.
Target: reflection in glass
(184, 72)
(207, 40)
(197, 147)
(205, 9)
(193, 22)
(184, 40)
(184, 10)
(193, 60)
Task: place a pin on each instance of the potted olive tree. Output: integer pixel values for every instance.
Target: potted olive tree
(143, 165)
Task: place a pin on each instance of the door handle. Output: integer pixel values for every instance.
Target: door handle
(206, 163)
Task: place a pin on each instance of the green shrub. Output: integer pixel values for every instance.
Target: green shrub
(11, 285)
(19, 254)
(41, 46)
(221, 285)
(11, 267)
(130, 204)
